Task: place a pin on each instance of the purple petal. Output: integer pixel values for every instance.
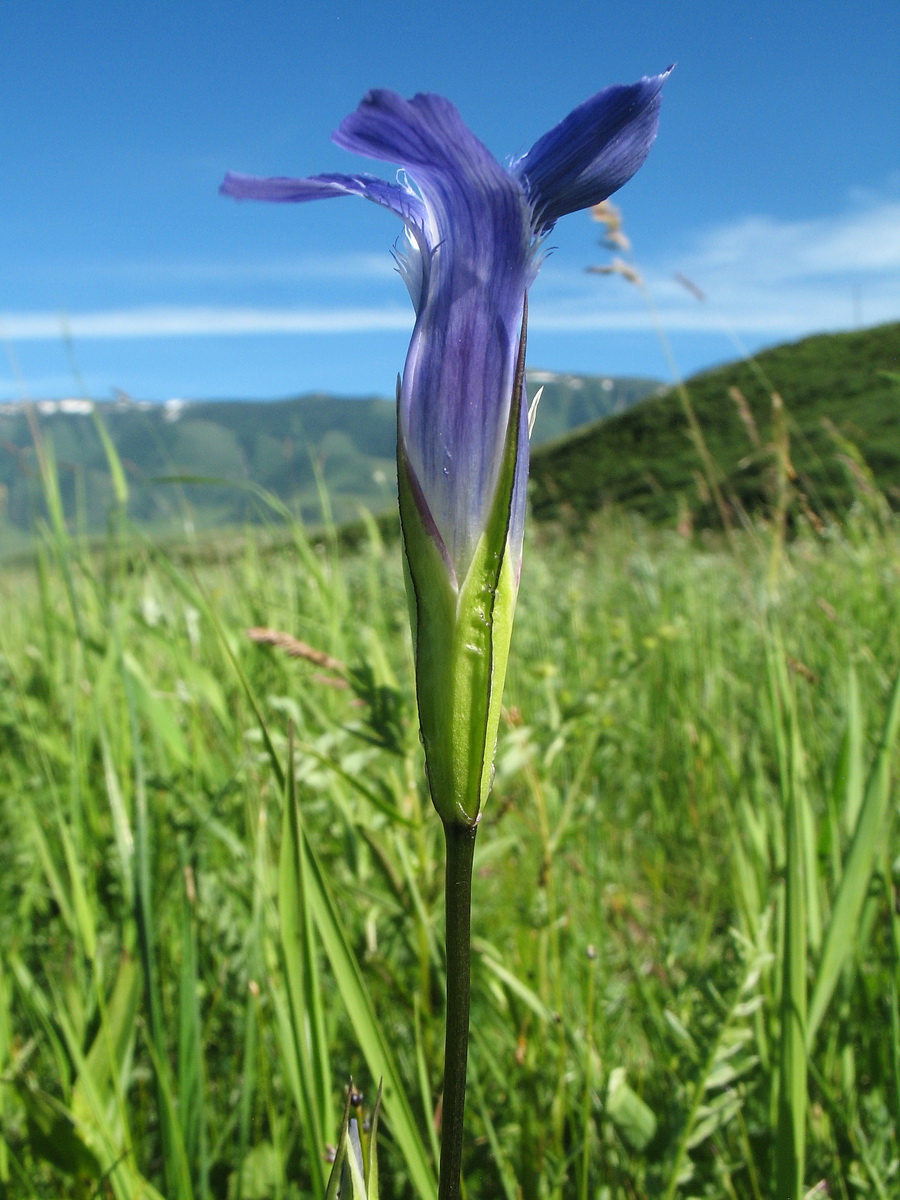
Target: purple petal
(321, 187)
(426, 135)
(454, 411)
(476, 265)
(592, 152)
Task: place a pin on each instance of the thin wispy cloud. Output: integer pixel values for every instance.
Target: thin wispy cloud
(768, 275)
(336, 267)
(200, 322)
(765, 249)
(762, 275)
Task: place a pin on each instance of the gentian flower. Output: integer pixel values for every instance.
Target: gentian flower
(474, 237)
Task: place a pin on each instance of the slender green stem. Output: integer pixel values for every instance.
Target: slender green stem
(458, 907)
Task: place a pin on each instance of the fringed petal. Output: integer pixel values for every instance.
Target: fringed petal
(405, 203)
(469, 288)
(592, 152)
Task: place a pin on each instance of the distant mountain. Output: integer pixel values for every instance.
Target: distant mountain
(206, 461)
(841, 410)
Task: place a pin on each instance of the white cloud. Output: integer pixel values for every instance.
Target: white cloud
(762, 275)
(766, 249)
(199, 322)
(360, 267)
(769, 275)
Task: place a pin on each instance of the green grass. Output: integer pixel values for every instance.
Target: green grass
(686, 947)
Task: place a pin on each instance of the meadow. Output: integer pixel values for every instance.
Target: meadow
(221, 878)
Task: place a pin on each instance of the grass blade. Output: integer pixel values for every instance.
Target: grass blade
(840, 936)
(370, 1034)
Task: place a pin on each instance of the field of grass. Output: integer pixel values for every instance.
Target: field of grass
(221, 881)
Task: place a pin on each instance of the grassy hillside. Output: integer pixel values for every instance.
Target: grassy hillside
(288, 447)
(838, 398)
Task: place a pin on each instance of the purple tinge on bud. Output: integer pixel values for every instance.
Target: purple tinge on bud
(473, 230)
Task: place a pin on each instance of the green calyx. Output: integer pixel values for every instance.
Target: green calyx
(461, 636)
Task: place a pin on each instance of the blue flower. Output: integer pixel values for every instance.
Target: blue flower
(474, 232)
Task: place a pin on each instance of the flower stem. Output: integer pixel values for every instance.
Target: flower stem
(458, 906)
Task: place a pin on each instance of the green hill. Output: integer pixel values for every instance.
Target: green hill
(839, 397)
(285, 447)
(838, 392)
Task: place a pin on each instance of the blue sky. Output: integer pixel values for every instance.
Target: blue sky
(774, 184)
